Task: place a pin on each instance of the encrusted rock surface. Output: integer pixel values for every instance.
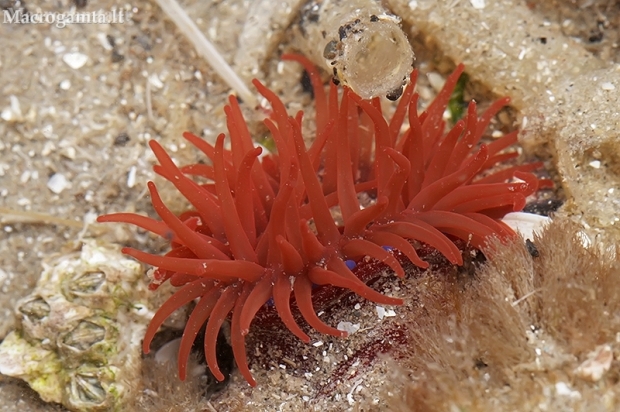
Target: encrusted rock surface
(566, 95)
(79, 338)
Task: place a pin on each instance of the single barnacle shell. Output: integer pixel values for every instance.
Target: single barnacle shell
(361, 43)
(87, 283)
(35, 308)
(89, 388)
(83, 336)
(78, 340)
(86, 388)
(91, 340)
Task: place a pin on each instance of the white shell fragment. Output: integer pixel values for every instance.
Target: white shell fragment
(608, 86)
(384, 313)
(527, 224)
(597, 363)
(478, 4)
(168, 352)
(75, 60)
(155, 81)
(562, 389)
(348, 327)
(58, 183)
(131, 177)
(79, 338)
(13, 113)
(65, 84)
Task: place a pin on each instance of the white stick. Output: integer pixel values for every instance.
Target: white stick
(207, 50)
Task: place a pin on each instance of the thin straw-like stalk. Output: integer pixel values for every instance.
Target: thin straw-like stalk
(206, 49)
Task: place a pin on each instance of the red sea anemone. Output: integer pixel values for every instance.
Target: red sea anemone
(266, 228)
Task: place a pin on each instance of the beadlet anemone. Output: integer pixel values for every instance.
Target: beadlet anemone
(269, 227)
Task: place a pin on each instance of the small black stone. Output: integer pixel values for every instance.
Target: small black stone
(395, 94)
(543, 207)
(225, 360)
(121, 139)
(596, 37)
(116, 56)
(480, 364)
(531, 248)
(14, 6)
(306, 84)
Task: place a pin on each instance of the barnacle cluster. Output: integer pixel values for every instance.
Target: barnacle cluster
(79, 340)
(263, 228)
